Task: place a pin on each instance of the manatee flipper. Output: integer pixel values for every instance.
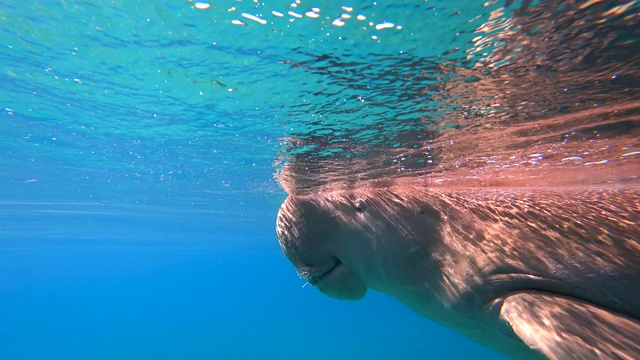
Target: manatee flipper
(565, 328)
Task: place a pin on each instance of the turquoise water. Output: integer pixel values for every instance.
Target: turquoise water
(138, 147)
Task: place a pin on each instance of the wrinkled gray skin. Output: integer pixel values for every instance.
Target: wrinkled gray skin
(547, 273)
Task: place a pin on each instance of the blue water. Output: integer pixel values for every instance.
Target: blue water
(138, 147)
(196, 303)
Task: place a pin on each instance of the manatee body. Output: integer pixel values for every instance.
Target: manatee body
(532, 273)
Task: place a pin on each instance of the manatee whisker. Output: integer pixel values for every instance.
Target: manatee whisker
(303, 274)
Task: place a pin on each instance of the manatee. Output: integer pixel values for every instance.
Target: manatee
(530, 272)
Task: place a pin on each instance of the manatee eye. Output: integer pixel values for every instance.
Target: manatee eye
(360, 205)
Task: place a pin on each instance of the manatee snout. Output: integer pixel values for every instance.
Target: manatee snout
(309, 238)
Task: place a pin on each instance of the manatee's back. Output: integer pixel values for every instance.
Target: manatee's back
(571, 234)
(585, 239)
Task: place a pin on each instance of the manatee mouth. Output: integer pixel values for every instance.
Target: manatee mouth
(334, 279)
(315, 277)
